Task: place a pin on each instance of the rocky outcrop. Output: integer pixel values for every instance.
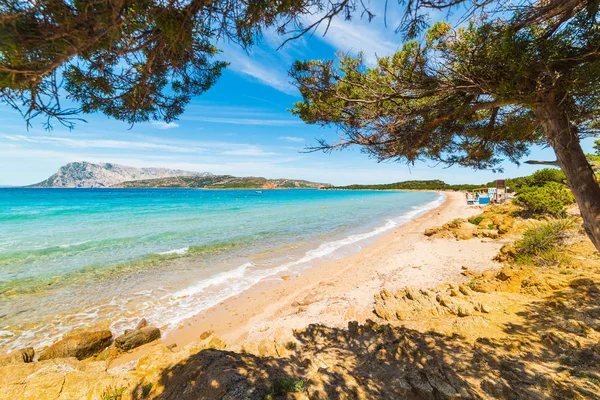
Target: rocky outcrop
(88, 175)
(493, 223)
(79, 345)
(18, 356)
(137, 337)
(410, 304)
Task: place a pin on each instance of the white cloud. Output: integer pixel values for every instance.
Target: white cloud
(249, 152)
(372, 38)
(180, 147)
(165, 125)
(291, 139)
(260, 65)
(100, 143)
(245, 121)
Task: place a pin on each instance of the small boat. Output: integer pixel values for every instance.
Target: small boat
(258, 191)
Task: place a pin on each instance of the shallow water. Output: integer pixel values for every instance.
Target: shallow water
(106, 257)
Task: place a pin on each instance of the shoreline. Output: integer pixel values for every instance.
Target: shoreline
(294, 258)
(336, 291)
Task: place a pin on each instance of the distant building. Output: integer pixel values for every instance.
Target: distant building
(500, 195)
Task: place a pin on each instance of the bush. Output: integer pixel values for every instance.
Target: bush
(455, 223)
(543, 176)
(541, 244)
(560, 192)
(476, 219)
(537, 179)
(549, 199)
(113, 393)
(537, 202)
(283, 386)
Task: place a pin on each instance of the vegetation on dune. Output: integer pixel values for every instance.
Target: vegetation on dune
(541, 244)
(113, 393)
(543, 193)
(549, 199)
(283, 386)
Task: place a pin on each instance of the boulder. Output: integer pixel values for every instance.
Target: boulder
(431, 231)
(18, 356)
(482, 286)
(80, 345)
(505, 274)
(136, 338)
(142, 324)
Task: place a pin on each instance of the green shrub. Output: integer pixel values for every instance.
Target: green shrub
(543, 176)
(455, 223)
(283, 386)
(146, 389)
(113, 393)
(541, 244)
(537, 179)
(547, 200)
(476, 219)
(560, 192)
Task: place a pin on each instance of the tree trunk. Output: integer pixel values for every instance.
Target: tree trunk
(564, 139)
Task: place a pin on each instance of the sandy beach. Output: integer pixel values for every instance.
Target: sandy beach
(338, 291)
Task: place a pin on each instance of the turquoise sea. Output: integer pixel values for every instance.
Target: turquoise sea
(74, 258)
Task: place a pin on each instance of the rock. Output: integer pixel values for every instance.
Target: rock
(79, 345)
(488, 274)
(444, 301)
(482, 286)
(205, 335)
(464, 311)
(431, 231)
(133, 339)
(142, 324)
(410, 294)
(285, 277)
(488, 233)
(505, 274)
(216, 343)
(353, 329)
(484, 308)
(503, 228)
(18, 356)
(485, 223)
(464, 233)
(469, 274)
(266, 348)
(464, 289)
(110, 353)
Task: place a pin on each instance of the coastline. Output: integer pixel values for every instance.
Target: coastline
(176, 281)
(336, 291)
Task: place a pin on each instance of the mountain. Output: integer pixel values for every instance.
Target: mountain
(221, 182)
(88, 175)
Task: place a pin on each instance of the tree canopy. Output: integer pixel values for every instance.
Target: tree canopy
(466, 96)
(471, 96)
(141, 60)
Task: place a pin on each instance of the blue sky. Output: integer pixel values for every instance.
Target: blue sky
(240, 127)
